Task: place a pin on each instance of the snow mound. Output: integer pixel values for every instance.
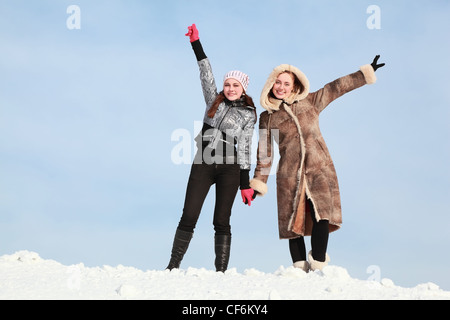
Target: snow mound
(25, 275)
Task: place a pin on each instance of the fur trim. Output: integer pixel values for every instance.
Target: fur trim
(304, 265)
(259, 186)
(271, 104)
(299, 172)
(318, 265)
(369, 73)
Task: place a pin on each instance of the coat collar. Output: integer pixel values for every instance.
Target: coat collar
(241, 102)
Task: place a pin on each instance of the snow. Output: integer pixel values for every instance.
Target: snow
(25, 275)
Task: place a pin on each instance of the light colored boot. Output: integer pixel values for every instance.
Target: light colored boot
(304, 265)
(317, 265)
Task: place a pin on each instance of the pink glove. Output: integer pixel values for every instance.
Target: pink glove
(192, 33)
(247, 196)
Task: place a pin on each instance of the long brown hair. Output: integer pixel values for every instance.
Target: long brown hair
(221, 98)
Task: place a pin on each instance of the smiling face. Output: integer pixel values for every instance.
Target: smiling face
(283, 86)
(232, 89)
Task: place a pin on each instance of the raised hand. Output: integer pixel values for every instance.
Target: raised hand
(374, 64)
(192, 33)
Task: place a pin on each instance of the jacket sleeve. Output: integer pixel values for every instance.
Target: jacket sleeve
(333, 90)
(206, 75)
(198, 50)
(264, 156)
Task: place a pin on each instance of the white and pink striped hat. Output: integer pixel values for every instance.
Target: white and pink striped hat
(239, 76)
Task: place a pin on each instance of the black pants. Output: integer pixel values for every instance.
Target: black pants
(319, 241)
(226, 177)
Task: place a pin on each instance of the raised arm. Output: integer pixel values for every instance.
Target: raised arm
(206, 75)
(335, 89)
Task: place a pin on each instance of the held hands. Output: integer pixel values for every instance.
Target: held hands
(192, 33)
(248, 195)
(374, 64)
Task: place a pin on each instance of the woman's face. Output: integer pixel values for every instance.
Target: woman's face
(283, 86)
(232, 89)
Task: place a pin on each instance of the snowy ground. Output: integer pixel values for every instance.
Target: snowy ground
(25, 275)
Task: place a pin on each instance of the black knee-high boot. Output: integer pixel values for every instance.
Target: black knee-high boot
(222, 246)
(180, 244)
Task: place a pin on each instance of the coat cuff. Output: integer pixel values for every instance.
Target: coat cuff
(369, 73)
(259, 186)
(198, 50)
(244, 179)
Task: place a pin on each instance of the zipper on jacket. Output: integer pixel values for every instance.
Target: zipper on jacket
(218, 126)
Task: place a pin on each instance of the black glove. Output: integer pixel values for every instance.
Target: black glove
(374, 64)
(255, 193)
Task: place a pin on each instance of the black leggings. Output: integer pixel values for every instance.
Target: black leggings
(319, 241)
(226, 177)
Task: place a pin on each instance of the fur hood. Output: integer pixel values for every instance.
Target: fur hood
(271, 104)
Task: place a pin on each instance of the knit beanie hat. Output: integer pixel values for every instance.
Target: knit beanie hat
(239, 76)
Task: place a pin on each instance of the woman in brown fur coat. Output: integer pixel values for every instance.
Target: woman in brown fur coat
(307, 185)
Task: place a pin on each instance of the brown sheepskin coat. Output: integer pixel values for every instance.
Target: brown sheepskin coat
(305, 168)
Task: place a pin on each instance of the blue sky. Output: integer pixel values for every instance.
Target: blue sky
(87, 116)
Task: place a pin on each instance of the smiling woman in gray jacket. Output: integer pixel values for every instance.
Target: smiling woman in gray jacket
(223, 157)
